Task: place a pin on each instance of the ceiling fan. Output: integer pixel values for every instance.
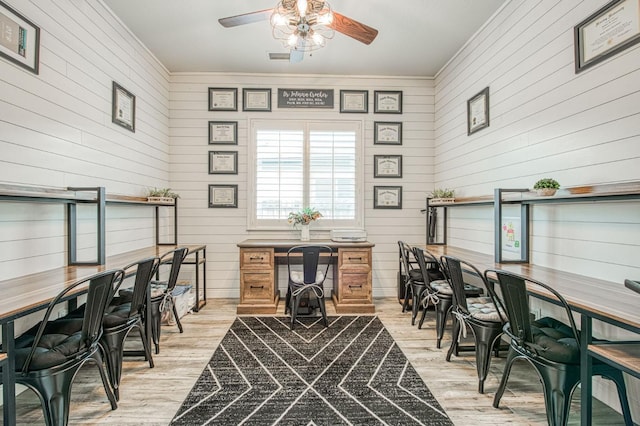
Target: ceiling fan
(304, 25)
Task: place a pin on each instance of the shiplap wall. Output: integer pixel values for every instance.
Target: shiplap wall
(545, 121)
(222, 229)
(56, 130)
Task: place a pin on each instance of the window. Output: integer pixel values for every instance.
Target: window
(305, 164)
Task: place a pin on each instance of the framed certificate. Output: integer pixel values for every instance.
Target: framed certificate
(256, 99)
(223, 99)
(478, 111)
(387, 197)
(223, 133)
(223, 196)
(385, 133)
(354, 101)
(20, 39)
(389, 166)
(387, 102)
(123, 107)
(611, 29)
(223, 162)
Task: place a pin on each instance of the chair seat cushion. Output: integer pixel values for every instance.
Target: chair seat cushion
(482, 308)
(441, 286)
(556, 341)
(415, 275)
(61, 341)
(297, 277)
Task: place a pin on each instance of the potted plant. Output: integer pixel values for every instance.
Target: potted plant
(161, 195)
(442, 195)
(546, 186)
(303, 218)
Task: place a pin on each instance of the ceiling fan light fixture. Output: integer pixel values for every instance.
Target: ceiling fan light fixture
(303, 25)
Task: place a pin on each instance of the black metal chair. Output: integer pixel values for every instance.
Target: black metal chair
(306, 276)
(552, 347)
(439, 284)
(406, 268)
(483, 315)
(414, 282)
(162, 293)
(125, 314)
(49, 355)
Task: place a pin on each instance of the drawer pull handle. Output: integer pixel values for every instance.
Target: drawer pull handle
(257, 286)
(355, 258)
(255, 258)
(355, 286)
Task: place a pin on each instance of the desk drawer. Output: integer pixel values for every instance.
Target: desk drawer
(355, 286)
(256, 258)
(257, 287)
(355, 258)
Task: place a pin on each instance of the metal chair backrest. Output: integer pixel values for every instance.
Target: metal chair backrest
(145, 269)
(310, 260)
(515, 300)
(405, 252)
(176, 257)
(101, 288)
(423, 258)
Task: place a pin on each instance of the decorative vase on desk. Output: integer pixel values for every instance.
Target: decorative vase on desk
(304, 233)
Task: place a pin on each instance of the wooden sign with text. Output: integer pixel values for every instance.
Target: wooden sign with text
(305, 98)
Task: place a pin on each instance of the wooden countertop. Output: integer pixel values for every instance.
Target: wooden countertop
(625, 355)
(596, 297)
(281, 244)
(28, 293)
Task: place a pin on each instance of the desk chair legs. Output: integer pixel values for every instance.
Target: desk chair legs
(558, 383)
(485, 340)
(156, 317)
(442, 308)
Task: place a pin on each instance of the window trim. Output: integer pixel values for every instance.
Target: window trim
(305, 125)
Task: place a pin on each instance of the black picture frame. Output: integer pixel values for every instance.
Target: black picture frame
(23, 51)
(223, 196)
(223, 162)
(608, 31)
(387, 133)
(354, 101)
(223, 99)
(256, 100)
(387, 166)
(387, 197)
(478, 111)
(123, 107)
(387, 101)
(223, 133)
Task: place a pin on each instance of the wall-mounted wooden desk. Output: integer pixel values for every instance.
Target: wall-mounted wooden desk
(259, 259)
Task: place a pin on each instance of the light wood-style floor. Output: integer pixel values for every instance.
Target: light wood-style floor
(152, 396)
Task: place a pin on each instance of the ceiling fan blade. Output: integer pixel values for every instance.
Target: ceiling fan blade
(246, 18)
(353, 28)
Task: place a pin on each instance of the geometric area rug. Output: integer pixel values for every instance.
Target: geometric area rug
(351, 373)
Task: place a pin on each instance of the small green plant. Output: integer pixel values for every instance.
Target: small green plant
(546, 183)
(161, 192)
(443, 193)
(304, 216)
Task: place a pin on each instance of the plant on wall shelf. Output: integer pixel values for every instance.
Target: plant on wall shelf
(161, 195)
(442, 195)
(546, 186)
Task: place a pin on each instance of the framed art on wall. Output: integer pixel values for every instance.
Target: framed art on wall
(223, 99)
(223, 196)
(123, 111)
(387, 197)
(611, 29)
(19, 39)
(385, 133)
(356, 101)
(223, 133)
(387, 102)
(223, 162)
(389, 166)
(256, 100)
(478, 111)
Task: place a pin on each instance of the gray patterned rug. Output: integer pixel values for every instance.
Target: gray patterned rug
(351, 373)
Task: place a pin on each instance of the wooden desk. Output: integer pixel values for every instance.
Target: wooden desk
(259, 259)
(30, 293)
(592, 299)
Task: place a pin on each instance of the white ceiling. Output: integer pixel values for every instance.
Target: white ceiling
(416, 37)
